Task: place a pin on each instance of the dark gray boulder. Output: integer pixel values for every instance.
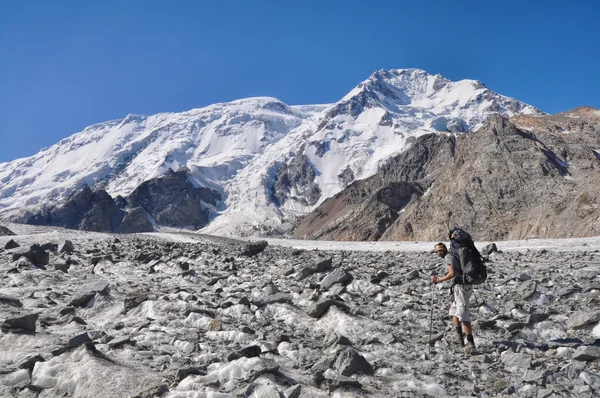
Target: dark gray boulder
(134, 299)
(12, 301)
(489, 249)
(66, 247)
(254, 248)
(11, 244)
(5, 231)
(338, 275)
(319, 308)
(587, 353)
(581, 319)
(24, 323)
(321, 266)
(35, 254)
(349, 362)
(87, 292)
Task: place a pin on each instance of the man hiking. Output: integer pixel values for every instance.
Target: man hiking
(459, 310)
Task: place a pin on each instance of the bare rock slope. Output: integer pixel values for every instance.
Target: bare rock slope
(527, 176)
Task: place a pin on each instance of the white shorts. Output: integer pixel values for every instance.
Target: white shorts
(460, 305)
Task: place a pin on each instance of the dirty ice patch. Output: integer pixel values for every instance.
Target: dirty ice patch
(224, 373)
(79, 374)
(354, 328)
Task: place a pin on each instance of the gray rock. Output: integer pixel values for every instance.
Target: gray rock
(133, 299)
(515, 361)
(534, 376)
(11, 244)
(527, 289)
(587, 353)
(271, 299)
(319, 308)
(252, 249)
(536, 318)
(87, 292)
(293, 391)
(12, 301)
(185, 372)
(64, 267)
(349, 362)
(335, 381)
(263, 391)
(489, 249)
(66, 247)
(5, 231)
(414, 274)
(35, 254)
(591, 379)
(248, 352)
(338, 275)
(24, 323)
(321, 266)
(581, 319)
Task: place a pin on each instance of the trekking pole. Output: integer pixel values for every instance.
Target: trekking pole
(431, 316)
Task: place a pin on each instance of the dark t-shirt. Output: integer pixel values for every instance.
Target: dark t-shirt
(451, 259)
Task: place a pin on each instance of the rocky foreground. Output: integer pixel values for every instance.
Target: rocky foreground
(181, 315)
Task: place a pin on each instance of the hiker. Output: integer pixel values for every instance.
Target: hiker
(459, 310)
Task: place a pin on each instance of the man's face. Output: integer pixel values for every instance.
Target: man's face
(441, 252)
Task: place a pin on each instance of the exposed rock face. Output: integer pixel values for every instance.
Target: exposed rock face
(174, 201)
(85, 209)
(171, 200)
(529, 176)
(296, 181)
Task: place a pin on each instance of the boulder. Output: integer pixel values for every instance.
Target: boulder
(24, 323)
(254, 248)
(11, 244)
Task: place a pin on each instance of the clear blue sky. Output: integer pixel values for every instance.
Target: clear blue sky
(67, 64)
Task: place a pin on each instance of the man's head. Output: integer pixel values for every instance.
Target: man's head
(441, 249)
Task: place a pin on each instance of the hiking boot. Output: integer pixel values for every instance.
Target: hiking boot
(458, 339)
(470, 349)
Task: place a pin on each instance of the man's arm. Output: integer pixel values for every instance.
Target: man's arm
(446, 277)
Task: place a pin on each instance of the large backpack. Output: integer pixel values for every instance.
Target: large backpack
(473, 269)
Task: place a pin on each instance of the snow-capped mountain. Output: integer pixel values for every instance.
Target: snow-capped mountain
(271, 162)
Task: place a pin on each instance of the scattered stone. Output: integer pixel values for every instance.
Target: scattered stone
(66, 247)
(338, 275)
(293, 392)
(87, 292)
(271, 299)
(20, 324)
(349, 362)
(319, 308)
(252, 249)
(63, 267)
(414, 274)
(5, 231)
(581, 319)
(489, 249)
(534, 376)
(321, 266)
(134, 299)
(587, 353)
(11, 244)
(35, 254)
(335, 381)
(527, 289)
(12, 301)
(536, 318)
(156, 391)
(185, 372)
(248, 352)
(30, 362)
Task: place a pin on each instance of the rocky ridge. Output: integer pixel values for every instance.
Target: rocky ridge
(513, 178)
(180, 315)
